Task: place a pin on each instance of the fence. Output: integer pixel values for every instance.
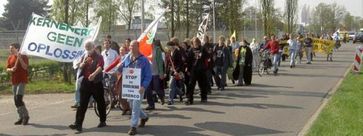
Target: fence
(120, 36)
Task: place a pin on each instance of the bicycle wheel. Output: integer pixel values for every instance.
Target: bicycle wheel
(108, 96)
(261, 69)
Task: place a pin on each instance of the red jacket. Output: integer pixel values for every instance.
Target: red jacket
(273, 46)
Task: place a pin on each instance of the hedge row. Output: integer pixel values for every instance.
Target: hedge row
(40, 71)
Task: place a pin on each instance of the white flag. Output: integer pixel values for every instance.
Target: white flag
(203, 27)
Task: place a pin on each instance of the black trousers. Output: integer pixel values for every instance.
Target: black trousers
(18, 99)
(87, 90)
(203, 83)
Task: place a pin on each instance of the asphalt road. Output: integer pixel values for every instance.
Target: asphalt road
(273, 105)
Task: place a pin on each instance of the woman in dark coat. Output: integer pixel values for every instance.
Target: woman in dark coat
(247, 74)
(243, 70)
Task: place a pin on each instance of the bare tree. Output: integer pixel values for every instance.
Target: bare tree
(267, 15)
(127, 13)
(290, 14)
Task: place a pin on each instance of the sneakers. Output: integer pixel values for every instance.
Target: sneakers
(143, 121)
(19, 122)
(102, 124)
(170, 103)
(132, 131)
(76, 127)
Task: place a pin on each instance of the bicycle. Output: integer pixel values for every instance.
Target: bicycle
(110, 99)
(265, 63)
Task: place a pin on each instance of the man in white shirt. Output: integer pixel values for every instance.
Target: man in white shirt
(292, 48)
(109, 55)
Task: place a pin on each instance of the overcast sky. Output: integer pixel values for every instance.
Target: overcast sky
(355, 7)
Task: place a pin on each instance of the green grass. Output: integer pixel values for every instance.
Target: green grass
(343, 115)
(41, 87)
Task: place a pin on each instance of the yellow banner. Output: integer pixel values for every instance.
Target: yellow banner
(323, 46)
(319, 45)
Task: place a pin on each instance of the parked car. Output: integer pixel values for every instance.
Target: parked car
(351, 35)
(358, 37)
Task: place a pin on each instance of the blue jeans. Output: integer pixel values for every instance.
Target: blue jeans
(155, 85)
(308, 54)
(220, 76)
(292, 57)
(175, 89)
(275, 61)
(137, 112)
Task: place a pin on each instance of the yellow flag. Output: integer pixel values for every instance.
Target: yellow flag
(233, 35)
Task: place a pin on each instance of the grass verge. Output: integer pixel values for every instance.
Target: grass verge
(343, 115)
(41, 87)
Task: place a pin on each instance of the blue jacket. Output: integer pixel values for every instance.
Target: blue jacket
(141, 62)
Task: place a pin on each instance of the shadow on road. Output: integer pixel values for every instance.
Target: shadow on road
(171, 116)
(235, 129)
(1, 134)
(253, 105)
(173, 108)
(235, 92)
(57, 127)
(159, 130)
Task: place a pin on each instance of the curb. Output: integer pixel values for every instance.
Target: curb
(325, 100)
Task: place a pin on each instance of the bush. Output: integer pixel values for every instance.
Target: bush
(39, 71)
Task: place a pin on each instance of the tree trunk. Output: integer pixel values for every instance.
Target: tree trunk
(172, 19)
(66, 66)
(187, 16)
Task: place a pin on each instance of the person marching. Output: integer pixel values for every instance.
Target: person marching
(292, 49)
(308, 47)
(244, 62)
(116, 63)
(273, 45)
(222, 60)
(91, 85)
(17, 66)
(157, 76)
(136, 60)
(177, 68)
(196, 68)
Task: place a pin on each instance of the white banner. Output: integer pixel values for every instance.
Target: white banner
(56, 41)
(131, 82)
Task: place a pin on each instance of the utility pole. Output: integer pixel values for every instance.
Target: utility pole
(142, 16)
